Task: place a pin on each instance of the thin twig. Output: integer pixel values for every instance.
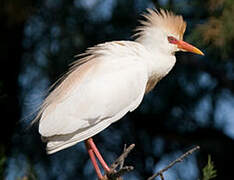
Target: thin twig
(122, 163)
(180, 159)
(121, 158)
(115, 174)
(161, 176)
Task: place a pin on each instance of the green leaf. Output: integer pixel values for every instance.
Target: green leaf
(209, 171)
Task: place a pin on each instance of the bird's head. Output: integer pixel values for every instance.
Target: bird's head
(163, 31)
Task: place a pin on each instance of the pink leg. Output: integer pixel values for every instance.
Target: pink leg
(93, 160)
(99, 156)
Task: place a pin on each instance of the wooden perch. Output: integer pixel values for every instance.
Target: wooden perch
(118, 169)
(180, 159)
(116, 173)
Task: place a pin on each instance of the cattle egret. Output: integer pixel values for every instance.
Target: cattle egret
(109, 80)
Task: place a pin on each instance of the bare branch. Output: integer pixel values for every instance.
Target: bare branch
(119, 162)
(122, 163)
(180, 159)
(121, 158)
(116, 175)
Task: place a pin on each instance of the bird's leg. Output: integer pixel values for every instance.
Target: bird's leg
(93, 160)
(99, 156)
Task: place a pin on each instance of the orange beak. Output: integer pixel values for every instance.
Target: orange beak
(188, 47)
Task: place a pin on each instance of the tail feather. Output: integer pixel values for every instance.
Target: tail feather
(60, 142)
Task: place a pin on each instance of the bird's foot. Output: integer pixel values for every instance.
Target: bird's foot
(116, 170)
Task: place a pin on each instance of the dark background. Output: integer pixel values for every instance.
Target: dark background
(193, 105)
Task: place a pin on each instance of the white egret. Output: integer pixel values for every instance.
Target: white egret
(110, 80)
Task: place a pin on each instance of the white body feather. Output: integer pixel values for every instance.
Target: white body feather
(110, 81)
(113, 85)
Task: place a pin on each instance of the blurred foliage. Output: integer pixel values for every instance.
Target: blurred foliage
(217, 32)
(193, 105)
(30, 173)
(16, 11)
(209, 171)
(2, 163)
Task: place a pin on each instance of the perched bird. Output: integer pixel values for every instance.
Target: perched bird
(109, 80)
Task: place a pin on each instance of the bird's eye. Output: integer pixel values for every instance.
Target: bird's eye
(172, 40)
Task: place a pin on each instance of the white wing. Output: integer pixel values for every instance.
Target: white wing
(112, 87)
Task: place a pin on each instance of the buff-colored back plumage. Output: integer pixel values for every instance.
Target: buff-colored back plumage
(163, 19)
(76, 71)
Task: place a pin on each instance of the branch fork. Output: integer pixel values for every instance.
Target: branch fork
(117, 168)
